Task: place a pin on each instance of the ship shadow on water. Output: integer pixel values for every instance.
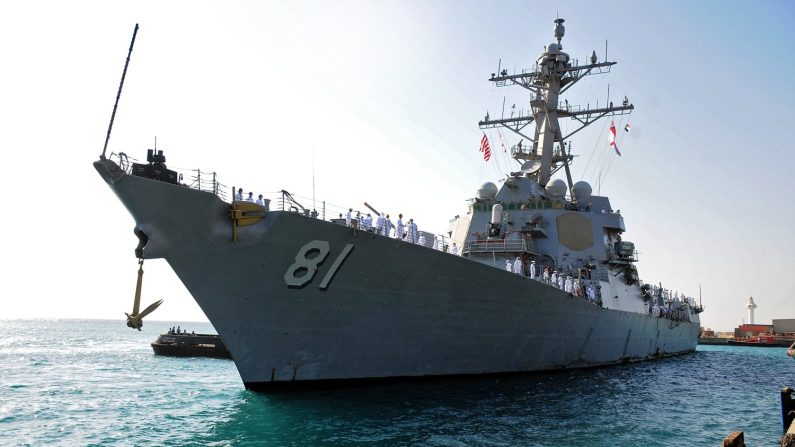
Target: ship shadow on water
(649, 403)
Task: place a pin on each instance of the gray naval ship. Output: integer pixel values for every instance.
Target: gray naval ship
(298, 300)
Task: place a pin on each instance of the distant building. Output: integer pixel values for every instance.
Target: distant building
(749, 330)
(784, 326)
(709, 332)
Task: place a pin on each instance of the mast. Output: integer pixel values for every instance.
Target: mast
(552, 75)
(118, 95)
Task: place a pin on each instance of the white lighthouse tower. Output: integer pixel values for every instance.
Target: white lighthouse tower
(751, 306)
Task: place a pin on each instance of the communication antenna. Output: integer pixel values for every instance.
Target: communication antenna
(531, 167)
(699, 295)
(552, 75)
(118, 95)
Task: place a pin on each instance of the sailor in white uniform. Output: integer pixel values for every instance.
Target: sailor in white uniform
(348, 217)
(379, 224)
(411, 232)
(518, 267)
(387, 226)
(508, 266)
(421, 241)
(560, 282)
(454, 249)
(259, 200)
(532, 270)
(400, 228)
(368, 222)
(567, 285)
(554, 278)
(239, 195)
(250, 197)
(435, 243)
(545, 275)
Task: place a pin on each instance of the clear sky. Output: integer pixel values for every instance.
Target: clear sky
(383, 99)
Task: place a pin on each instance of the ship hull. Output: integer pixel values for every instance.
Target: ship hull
(373, 308)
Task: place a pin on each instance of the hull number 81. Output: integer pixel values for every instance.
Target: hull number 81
(309, 257)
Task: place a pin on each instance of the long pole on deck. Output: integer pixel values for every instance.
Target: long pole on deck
(118, 95)
(371, 208)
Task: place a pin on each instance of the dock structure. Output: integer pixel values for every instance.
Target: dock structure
(787, 417)
(735, 439)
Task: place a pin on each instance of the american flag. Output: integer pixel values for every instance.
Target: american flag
(485, 148)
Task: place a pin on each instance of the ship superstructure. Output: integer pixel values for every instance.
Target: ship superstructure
(301, 300)
(575, 236)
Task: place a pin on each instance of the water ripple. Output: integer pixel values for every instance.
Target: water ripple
(98, 383)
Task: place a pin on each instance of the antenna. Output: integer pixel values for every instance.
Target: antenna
(313, 180)
(118, 95)
(553, 74)
(560, 30)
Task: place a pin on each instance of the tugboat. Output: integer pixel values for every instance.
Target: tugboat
(183, 344)
(763, 341)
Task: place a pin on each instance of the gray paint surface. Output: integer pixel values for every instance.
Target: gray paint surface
(367, 306)
(391, 309)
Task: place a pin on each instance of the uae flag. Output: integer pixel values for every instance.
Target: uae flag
(612, 137)
(485, 148)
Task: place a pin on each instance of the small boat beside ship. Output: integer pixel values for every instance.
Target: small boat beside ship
(183, 344)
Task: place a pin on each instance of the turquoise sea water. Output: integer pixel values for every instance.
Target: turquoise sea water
(94, 382)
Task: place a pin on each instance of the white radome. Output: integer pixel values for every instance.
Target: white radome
(487, 191)
(581, 191)
(557, 188)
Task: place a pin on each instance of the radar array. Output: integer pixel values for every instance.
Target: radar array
(553, 74)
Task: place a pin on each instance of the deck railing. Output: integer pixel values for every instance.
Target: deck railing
(192, 178)
(499, 246)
